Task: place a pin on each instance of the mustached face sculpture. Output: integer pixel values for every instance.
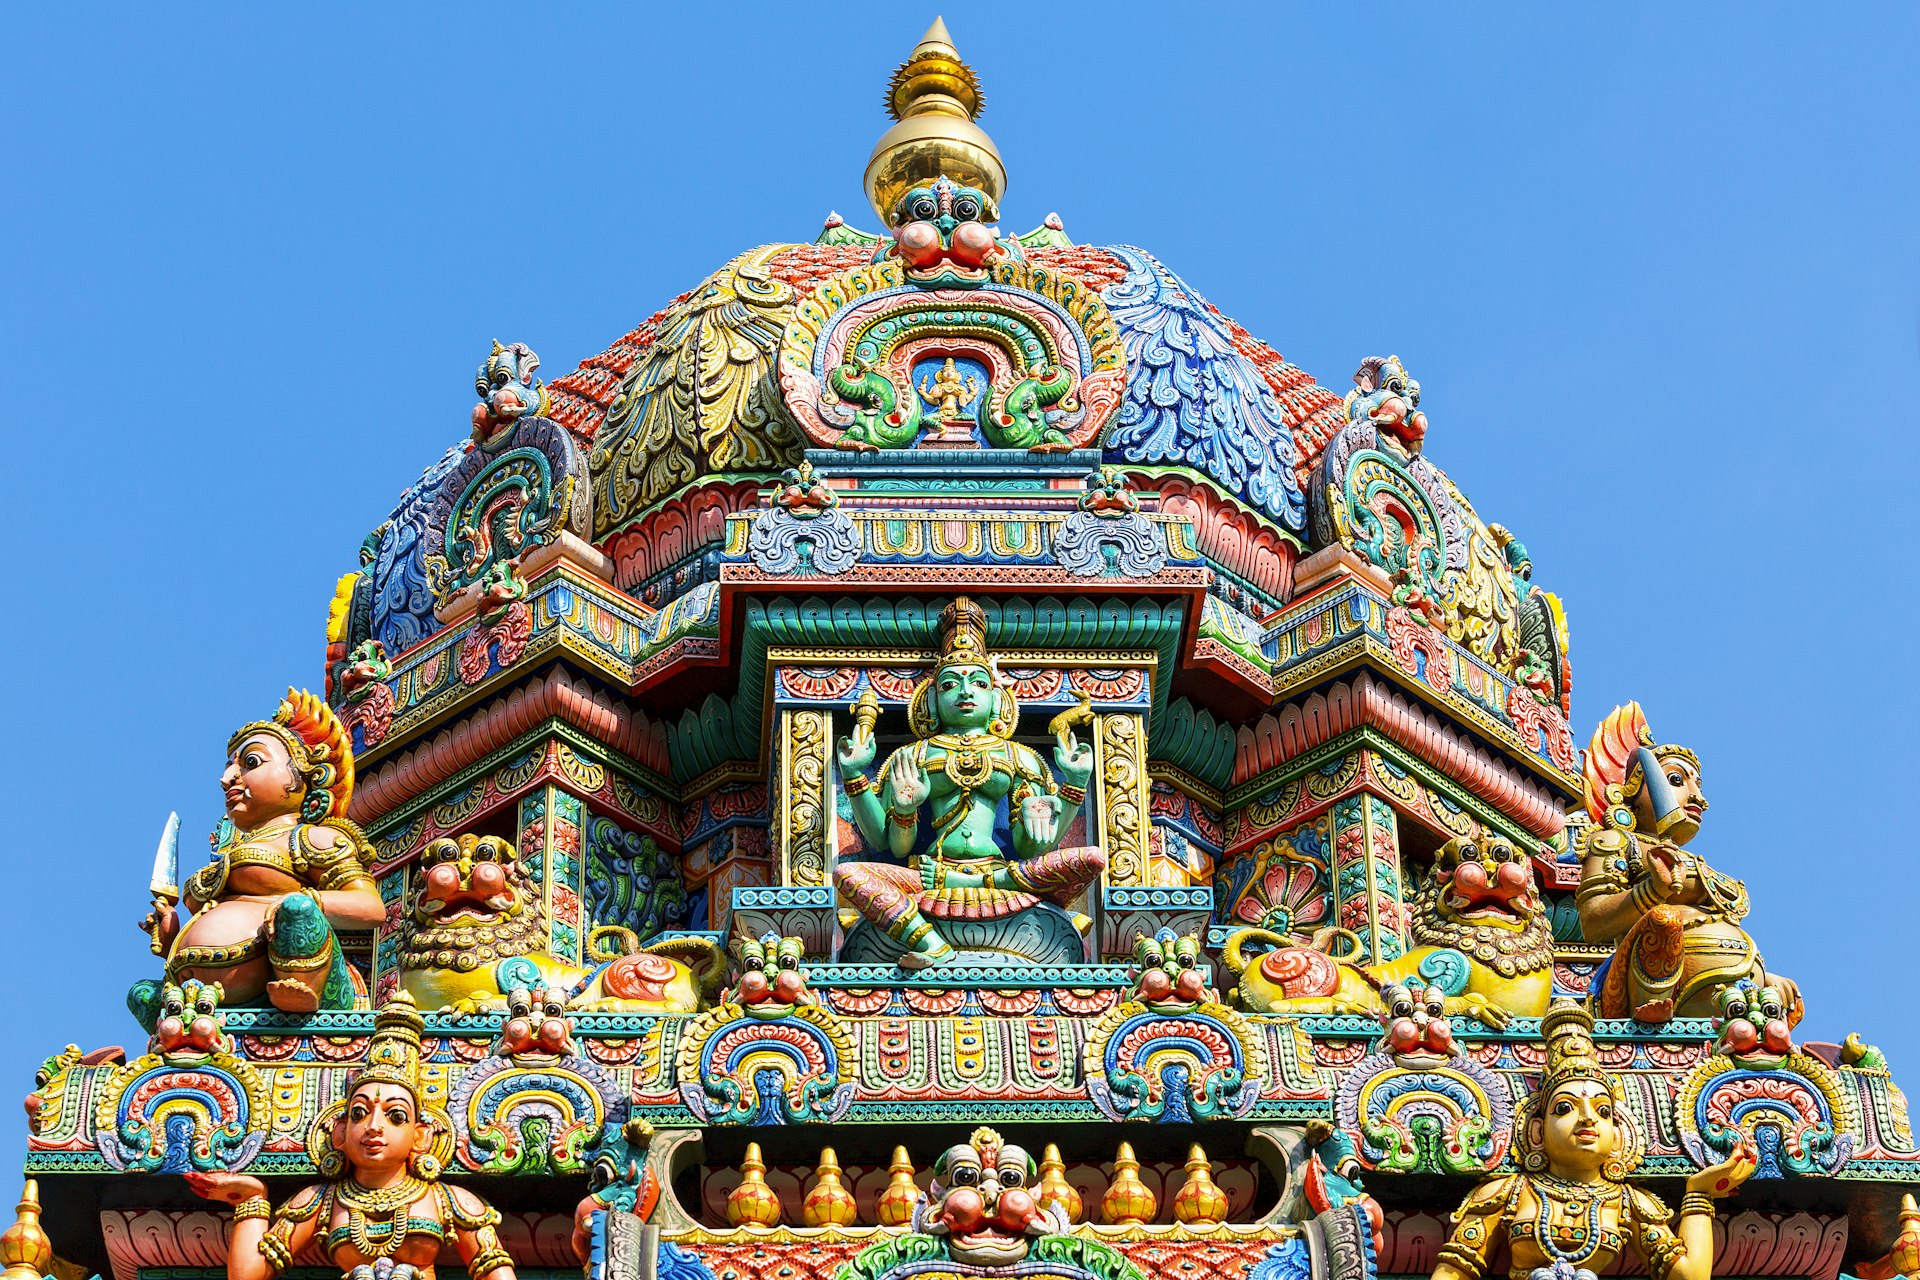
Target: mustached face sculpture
(941, 233)
(983, 1204)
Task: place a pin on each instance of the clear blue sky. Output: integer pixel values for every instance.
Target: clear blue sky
(1654, 265)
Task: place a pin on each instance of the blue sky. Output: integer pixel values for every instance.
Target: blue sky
(1654, 266)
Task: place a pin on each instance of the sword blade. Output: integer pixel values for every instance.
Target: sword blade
(165, 882)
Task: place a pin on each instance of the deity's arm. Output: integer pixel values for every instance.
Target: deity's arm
(1683, 1255)
(259, 1248)
(347, 895)
(476, 1236)
(1477, 1230)
(1609, 901)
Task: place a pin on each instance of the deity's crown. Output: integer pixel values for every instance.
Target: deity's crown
(319, 746)
(1613, 762)
(393, 1057)
(1571, 1055)
(963, 635)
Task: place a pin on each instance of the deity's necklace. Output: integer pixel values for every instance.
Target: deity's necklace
(1566, 1264)
(364, 1205)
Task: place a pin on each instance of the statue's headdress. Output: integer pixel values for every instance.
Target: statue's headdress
(321, 750)
(393, 1057)
(963, 643)
(1571, 1056)
(1621, 760)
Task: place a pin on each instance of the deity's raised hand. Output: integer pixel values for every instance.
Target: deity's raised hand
(856, 752)
(162, 924)
(1042, 817)
(1724, 1179)
(908, 783)
(1074, 759)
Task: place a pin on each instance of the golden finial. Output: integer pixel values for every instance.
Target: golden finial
(753, 1203)
(1054, 1187)
(1129, 1202)
(24, 1248)
(828, 1202)
(901, 1193)
(935, 98)
(1200, 1202)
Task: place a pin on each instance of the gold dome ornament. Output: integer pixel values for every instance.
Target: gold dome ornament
(1054, 1187)
(1200, 1202)
(753, 1203)
(895, 1208)
(1129, 1202)
(828, 1202)
(935, 98)
(25, 1248)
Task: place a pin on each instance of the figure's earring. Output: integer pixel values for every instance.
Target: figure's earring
(332, 1161)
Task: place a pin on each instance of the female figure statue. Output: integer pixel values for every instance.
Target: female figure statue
(382, 1211)
(962, 767)
(1571, 1211)
(292, 869)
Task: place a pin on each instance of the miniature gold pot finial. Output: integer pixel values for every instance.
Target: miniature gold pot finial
(934, 97)
(25, 1248)
(828, 1202)
(1128, 1202)
(1200, 1202)
(895, 1208)
(753, 1203)
(1054, 1187)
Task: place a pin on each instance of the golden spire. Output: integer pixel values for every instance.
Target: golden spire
(24, 1248)
(935, 97)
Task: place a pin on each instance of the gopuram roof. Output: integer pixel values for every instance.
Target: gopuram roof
(940, 754)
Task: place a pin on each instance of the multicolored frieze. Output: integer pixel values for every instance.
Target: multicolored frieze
(938, 754)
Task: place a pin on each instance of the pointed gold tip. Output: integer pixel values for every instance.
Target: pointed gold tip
(1196, 1156)
(935, 98)
(936, 35)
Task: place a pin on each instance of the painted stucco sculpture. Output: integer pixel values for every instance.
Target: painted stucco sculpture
(924, 697)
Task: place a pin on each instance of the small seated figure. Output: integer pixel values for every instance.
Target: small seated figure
(293, 870)
(1571, 1213)
(970, 776)
(1676, 920)
(383, 1211)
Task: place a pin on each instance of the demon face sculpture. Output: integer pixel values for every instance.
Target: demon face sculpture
(537, 1028)
(472, 907)
(1414, 1026)
(940, 232)
(1752, 1025)
(1170, 976)
(771, 979)
(982, 1204)
(190, 1031)
(1388, 397)
(507, 391)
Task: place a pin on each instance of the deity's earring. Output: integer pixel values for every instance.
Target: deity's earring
(332, 1162)
(1534, 1158)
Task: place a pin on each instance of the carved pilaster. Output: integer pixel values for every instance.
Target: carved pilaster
(1121, 771)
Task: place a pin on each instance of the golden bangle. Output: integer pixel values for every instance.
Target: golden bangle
(275, 1251)
(911, 818)
(1072, 794)
(858, 785)
(490, 1260)
(252, 1207)
(1694, 1202)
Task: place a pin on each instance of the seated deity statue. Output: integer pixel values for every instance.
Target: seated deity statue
(1676, 920)
(1570, 1213)
(290, 871)
(977, 816)
(383, 1212)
